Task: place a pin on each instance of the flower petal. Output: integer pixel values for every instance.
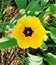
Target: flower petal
(35, 40)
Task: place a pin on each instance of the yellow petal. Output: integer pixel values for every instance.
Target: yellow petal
(35, 44)
(35, 40)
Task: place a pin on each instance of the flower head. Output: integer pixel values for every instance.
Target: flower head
(29, 32)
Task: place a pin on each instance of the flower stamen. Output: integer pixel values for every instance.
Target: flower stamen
(28, 31)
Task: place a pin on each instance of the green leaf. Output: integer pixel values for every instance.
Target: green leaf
(27, 61)
(41, 15)
(53, 33)
(51, 45)
(2, 27)
(1, 15)
(7, 42)
(29, 0)
(51, 9)
(8, 2)
(21, 4)
(1, 30)
(5, 25)
(53, 22)
(30, 5)
(34, 60)
(1, 5)
(36, 6)
(43, 46)
(43, 3)
(50, 58)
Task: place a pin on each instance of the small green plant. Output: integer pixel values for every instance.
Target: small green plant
(46, 12)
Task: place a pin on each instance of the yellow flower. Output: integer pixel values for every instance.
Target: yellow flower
(29, 32)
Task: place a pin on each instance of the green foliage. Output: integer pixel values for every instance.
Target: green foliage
(53, 33)
(44, 46)
(21, 4)
(1, 4)
(7, 42)
(8, 3)
(36, 6)
(5, 26)
(50, 58)
(34, 60)
(51, 9)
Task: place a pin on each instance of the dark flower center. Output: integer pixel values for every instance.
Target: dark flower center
(28, 31)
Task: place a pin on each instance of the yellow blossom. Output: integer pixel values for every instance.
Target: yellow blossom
(29, 32)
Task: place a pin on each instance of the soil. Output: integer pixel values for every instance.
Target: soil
(8, 57)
